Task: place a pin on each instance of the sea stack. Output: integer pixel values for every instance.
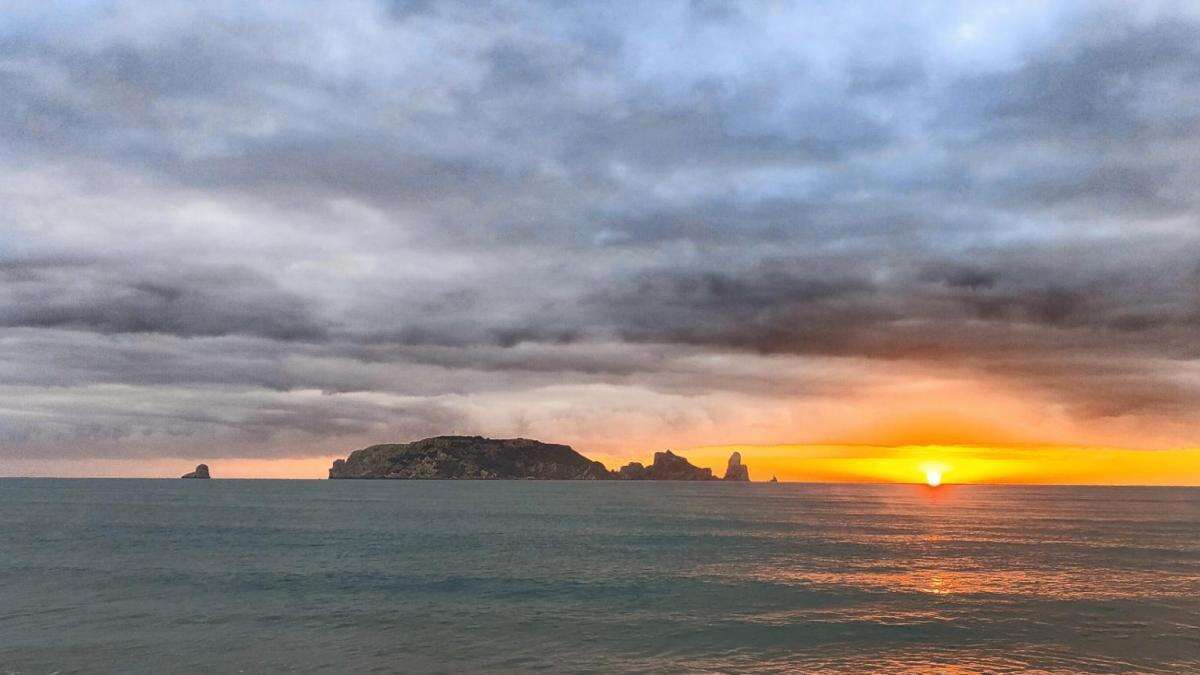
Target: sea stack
(200, 472)
(736, 470)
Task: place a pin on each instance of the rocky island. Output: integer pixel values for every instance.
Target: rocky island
(667, 466)
(479, 458)
(200, 472)
(469, 457)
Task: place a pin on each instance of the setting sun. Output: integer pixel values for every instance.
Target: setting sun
(933, 472)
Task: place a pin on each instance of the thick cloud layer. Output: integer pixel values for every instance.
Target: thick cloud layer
(281, 230)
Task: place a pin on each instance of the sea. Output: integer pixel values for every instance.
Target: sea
(256, 576)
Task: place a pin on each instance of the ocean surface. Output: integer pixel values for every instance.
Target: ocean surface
(381, 576)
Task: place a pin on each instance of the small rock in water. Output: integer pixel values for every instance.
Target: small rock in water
(200, 472)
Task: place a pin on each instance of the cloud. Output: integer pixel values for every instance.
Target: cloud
(118, 298)
(411, 207)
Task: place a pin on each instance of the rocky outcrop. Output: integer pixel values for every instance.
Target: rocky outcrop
(469, 457)
(200, 472)
(632, 471)
(667, 466)
(735, 470)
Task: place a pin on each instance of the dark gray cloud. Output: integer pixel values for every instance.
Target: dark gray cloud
(115, 297)
(335, 221)
(1081, 300)
(1092, 93)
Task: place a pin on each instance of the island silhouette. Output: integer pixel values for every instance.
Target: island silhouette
(200, 472)
(479, 458)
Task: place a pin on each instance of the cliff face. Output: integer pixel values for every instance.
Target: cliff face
(469, 457)
(667, 466)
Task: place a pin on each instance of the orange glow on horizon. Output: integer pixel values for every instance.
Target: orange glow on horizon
(957, 464)
(960, 464)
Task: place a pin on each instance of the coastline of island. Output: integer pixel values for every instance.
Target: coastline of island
(480, 458)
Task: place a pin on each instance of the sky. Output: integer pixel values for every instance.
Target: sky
(262, 235)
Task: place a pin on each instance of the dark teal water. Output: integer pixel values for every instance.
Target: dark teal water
(332, 576)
